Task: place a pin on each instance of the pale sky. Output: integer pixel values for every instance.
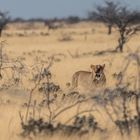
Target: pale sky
(54, 8)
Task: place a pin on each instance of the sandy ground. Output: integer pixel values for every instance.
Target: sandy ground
(87, 38)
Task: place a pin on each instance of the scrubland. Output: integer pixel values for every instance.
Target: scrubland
(67, 50)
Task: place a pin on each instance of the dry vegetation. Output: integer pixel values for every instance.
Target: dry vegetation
(36, 69)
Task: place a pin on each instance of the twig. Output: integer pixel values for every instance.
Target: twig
(30, 97)
(68, 107)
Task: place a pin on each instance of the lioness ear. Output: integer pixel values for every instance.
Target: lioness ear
(103, 66)
(92, 67)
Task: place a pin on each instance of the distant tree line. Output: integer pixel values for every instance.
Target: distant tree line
(69, 19)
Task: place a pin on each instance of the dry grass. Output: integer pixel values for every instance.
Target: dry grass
(87, 39)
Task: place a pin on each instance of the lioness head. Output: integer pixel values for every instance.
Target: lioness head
(98, 70)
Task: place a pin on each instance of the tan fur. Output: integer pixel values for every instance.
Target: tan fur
(89, 80)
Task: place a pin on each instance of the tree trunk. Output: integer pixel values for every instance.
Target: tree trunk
(121, 42)
(109, 29)
(121, 47)
(0, 32)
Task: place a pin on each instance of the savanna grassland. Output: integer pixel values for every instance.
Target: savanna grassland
(68, 49)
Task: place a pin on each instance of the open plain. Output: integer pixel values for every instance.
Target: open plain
(71, 48)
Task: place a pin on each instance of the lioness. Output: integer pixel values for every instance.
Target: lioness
(89, 80)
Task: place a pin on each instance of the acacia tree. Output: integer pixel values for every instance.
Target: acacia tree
(124, 20)
(105, 14)
(4, 19)
(127, 24)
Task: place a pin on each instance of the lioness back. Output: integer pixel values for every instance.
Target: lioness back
(82, 79)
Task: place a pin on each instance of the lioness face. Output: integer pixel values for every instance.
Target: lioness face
(99, 70)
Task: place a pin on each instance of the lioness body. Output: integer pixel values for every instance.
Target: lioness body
(89, 80)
